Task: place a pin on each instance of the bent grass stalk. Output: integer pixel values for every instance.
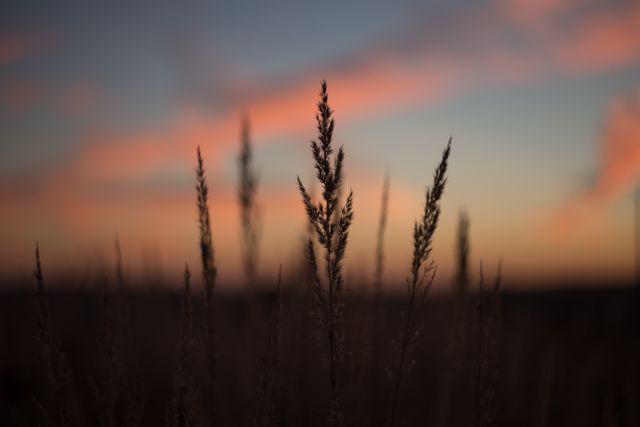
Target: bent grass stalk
(423, 273)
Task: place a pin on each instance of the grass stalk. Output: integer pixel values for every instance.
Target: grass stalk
(488, 311)
(266, 401)
(249, 213)
(462, 253)
(422, 274)
(331, 231)
(382, 225)
(208, 277)
(182, 408)
(51, 355)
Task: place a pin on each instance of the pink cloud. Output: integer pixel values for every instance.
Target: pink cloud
(378, 82)
(21, 95)
(17, 46)
(604, 40)
(619, 168)
(536, 12)
(79, 98)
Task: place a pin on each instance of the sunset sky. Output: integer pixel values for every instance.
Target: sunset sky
(103, 103)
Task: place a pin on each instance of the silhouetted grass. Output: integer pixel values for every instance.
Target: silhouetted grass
(249, 214)
(462, 253)
(489, 313)
(57, 409)
(209, 278)
(182, 409)
(423, 271)
(266, 399)
(331, 225)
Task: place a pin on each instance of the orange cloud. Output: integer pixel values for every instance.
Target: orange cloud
(619, 168)
(376, 82)
(104, 156)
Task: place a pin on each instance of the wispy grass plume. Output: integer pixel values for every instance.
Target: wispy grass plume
(249, 212)
(423, 272)
(208, 276)
(331, 232)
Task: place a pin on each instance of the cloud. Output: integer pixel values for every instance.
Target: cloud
(534, 13)
(604, 40)
(20, 95)
(79, 98)
(389, 75)
(15, 47)
(619, 168)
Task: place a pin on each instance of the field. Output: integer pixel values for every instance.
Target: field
(564, 358)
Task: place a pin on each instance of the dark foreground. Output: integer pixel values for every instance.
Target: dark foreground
(569, 358)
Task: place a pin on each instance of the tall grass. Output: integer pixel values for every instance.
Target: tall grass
(57, 408)
(249, 213)
(457, 340)
(182, 409)
(488, 311)
(423, 272)
(266, 400)
(382, 226)
(376, 314)
(462, 253)
(119, 268)
(107, 385)
(117, 316)
(331, 226)
(209, 279)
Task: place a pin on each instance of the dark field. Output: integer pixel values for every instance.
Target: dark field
(562, 358)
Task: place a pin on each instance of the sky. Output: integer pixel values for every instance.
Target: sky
(102, 105)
